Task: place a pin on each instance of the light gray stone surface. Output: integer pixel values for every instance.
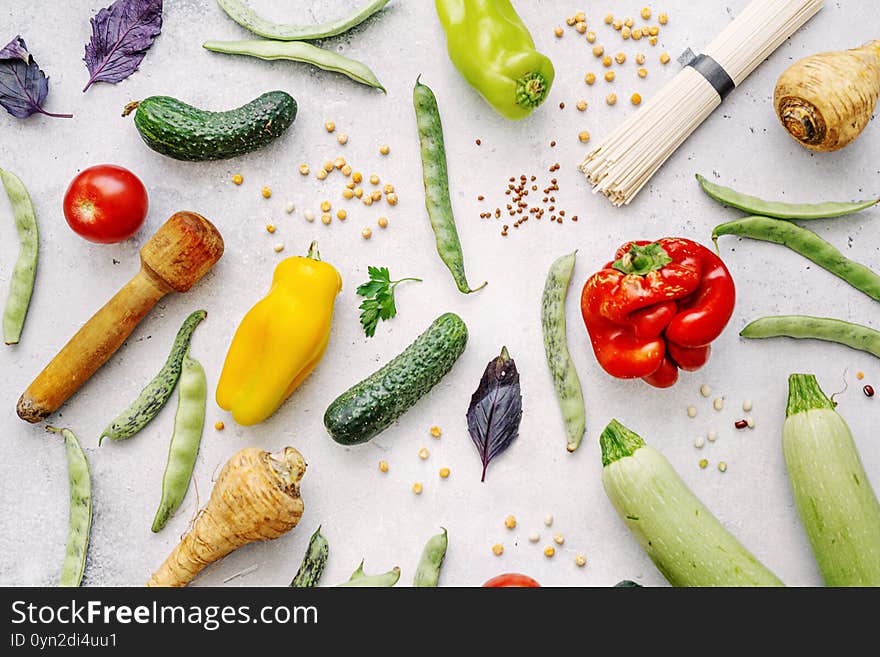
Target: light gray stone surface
(364, 513)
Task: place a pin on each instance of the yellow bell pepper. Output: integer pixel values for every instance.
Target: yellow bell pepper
(280, 340)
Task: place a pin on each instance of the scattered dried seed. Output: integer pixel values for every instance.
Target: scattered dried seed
(750, 422)
(366, 233)
(611, 99)
(270, 228)
(580, 561)
(342, 138)
(599, 50)
(663, 18)
(435, 432)
(346, 170)
(219, 426)
(278, 248)
(747, 405)
(590, 78)
(722, 466)
(699, 442)
(620, 57)
(341, 214)
(309, 215)
(606, 62)
(548, 520)
(321, 175)
(741, 424)
(664, 58)
(444, 473)
(692, 411)
(549, 551)
(383, 466)
(705, 390)
(703, 463)
(384, 149)
(498, 549)
(237, 179)
(583, 136)
(329, 126)
(510, 522)
(645, 13)
(642, 72)
(712, 436)
(417, 489)
(581, 105)
(718, 403)
(591, 37)
(326, 219)
(625, 33)
(383, 222)
(304, 169)
(559, 539)
(640, 58)
(266, 192)
(868, 390)
(534, 537)
(289, 208)
(558, 32)
(636, 99)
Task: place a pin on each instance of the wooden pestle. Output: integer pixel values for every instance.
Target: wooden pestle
(173, 260)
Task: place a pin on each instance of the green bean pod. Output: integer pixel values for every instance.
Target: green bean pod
(297, 51)
(804, 327)
(157, 392)
(313, 562)
(431, 561)
(21, 285)
(436, 179)
(250, 20)
(359, 579)
(809, 245)
(565, 378)
(80, 510)
(192, 395)
(779, 210)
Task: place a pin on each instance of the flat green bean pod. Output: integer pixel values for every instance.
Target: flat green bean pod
(297, 51)
(778, 209)
(250, 20)
(312, 567)
(80, 510)
(359, 579)
(565, 378)
(21, 284)
(809, 245)
(428, 570)
(157, 392)
(192, 395)
(436, 180)
(804, 327)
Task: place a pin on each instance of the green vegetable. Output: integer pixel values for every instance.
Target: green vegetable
(852, 335)
(158, 391)
(313, 562)
(836, 503)
(680, 535)
(565, 378)
(492, 49)
(627, 584)
(297, 51)
(379, 301)
(361, 579)
(250, 20)
(428, 570)
(184, 132)
(779, 210)
(192, 395)
(80, 523)
(809, 245)
(436, 181)
(21, 283)
(371, 406)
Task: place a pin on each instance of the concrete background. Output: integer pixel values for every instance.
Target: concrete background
(365, 514)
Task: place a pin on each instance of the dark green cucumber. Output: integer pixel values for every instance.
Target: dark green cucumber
(371, 406)
(184, 132)
(313, 562)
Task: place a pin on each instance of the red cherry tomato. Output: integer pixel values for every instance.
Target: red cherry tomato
(105, 204)
(511, 580)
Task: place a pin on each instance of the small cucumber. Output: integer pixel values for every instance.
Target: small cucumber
(184, 132)
(371, 406)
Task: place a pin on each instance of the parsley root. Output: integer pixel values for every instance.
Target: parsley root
(256, 498)
(826, 100)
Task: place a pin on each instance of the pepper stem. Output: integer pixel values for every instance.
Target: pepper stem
(617, 442)
(505, 356)
(641, 260)
(313, 251)
(804, 394)
(531, 90)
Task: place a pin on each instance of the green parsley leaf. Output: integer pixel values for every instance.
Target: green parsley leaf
(378, 301)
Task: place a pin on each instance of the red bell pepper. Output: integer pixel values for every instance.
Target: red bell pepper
(656, 308)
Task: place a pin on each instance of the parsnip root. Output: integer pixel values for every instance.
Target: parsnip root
(256, 498)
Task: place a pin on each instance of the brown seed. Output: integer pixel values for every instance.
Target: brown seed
(561, 105)
(479, 142)
(868, 390)
(741, 424)
(481, 197)
(553, 144)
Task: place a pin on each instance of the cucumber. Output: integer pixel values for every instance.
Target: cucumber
(368, 408)
(313, 562)
(837, 506)
(680, 535)
(184, 132)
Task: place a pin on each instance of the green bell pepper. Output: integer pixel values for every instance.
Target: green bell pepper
(492, 48)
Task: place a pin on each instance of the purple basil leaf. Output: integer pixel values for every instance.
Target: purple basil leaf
(496, 409)
(23, 86)
(121, 35)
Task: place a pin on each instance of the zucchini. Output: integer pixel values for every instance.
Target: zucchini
(371, 406)
(313, 562)
(184, 132)
(837, 506)
(685, 541)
